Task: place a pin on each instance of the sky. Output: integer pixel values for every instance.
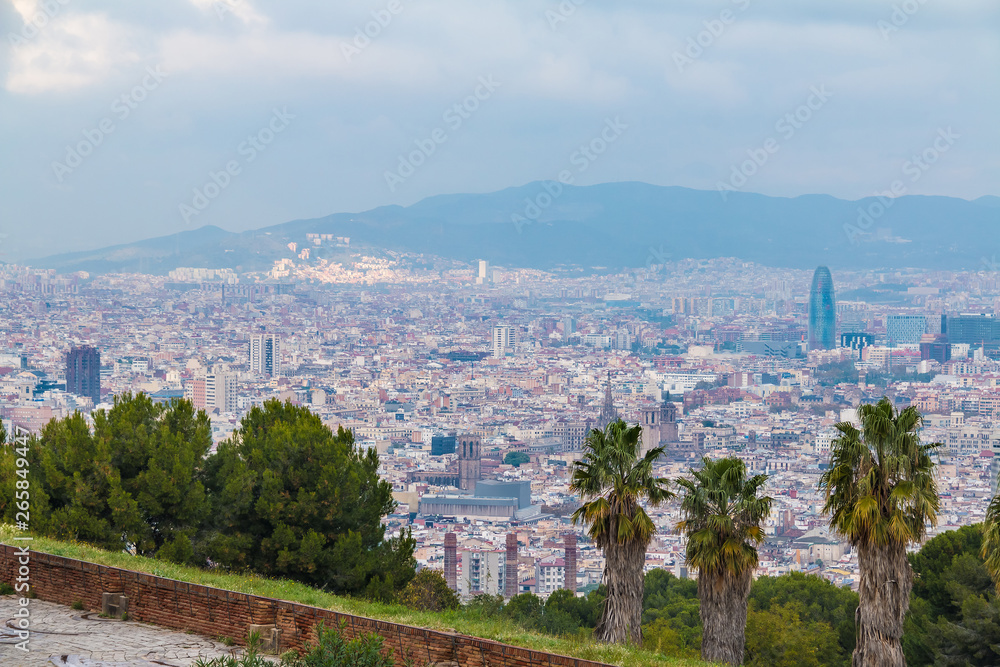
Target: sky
(123, 120)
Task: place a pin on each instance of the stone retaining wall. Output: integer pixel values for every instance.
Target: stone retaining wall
(214, 612)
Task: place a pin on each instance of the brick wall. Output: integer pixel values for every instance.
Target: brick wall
(214, 612)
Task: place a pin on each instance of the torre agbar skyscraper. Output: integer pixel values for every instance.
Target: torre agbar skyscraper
(822, 311)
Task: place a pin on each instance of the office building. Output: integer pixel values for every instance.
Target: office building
(972, 329)
(504, 340)
(442, 443)
(213, 390)
(485, 275)
(905, 329)
(265, 355)
(856, 341)
(935, 347)
(83, 372)
(822, 311)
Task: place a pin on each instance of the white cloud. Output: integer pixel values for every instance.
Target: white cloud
(72, 51)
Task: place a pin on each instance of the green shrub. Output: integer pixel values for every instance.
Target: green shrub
(429, 592)
(333, 651)
(252, 657)
(77, 605)
(6, 589)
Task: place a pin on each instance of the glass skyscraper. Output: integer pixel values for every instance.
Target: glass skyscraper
(822, 311)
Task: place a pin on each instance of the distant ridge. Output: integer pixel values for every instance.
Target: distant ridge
(627, 224)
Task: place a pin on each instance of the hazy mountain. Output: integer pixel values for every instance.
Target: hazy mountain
(632, 224)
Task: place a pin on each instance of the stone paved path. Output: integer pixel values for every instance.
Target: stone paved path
(62, 636)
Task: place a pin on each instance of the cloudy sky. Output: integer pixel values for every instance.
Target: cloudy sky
(124, 120)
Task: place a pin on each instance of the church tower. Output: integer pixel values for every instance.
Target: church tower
(659, 426)
(608, 412)
(469, 454)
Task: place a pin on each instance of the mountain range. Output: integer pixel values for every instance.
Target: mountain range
(545, 225)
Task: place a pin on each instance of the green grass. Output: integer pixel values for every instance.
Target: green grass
(463, 621)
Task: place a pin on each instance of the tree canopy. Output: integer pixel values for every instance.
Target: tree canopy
(292, 499)
(135, 481)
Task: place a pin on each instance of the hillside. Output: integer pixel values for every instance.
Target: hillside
(625, 224)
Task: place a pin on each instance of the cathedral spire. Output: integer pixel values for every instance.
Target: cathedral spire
(608, 412)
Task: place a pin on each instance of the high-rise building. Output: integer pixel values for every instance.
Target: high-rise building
(972, 329)
(905, 329)
(83, 372)
(483, 572)
(220, 389)
(504, 340)
(485, 275)
(265, 354)
(822, 311)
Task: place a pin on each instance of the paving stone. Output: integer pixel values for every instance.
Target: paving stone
(63, 637)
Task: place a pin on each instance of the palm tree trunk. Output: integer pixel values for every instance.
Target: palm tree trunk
(886, 580)
(723, 609)
(621, 615)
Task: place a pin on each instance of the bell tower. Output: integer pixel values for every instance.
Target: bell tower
(469, 455)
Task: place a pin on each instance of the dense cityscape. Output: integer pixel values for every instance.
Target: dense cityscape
(451, 334)
(478, 384)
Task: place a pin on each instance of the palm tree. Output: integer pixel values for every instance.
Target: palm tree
(991, 540)
(722, 521)
(881, 495)
(611, 479)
